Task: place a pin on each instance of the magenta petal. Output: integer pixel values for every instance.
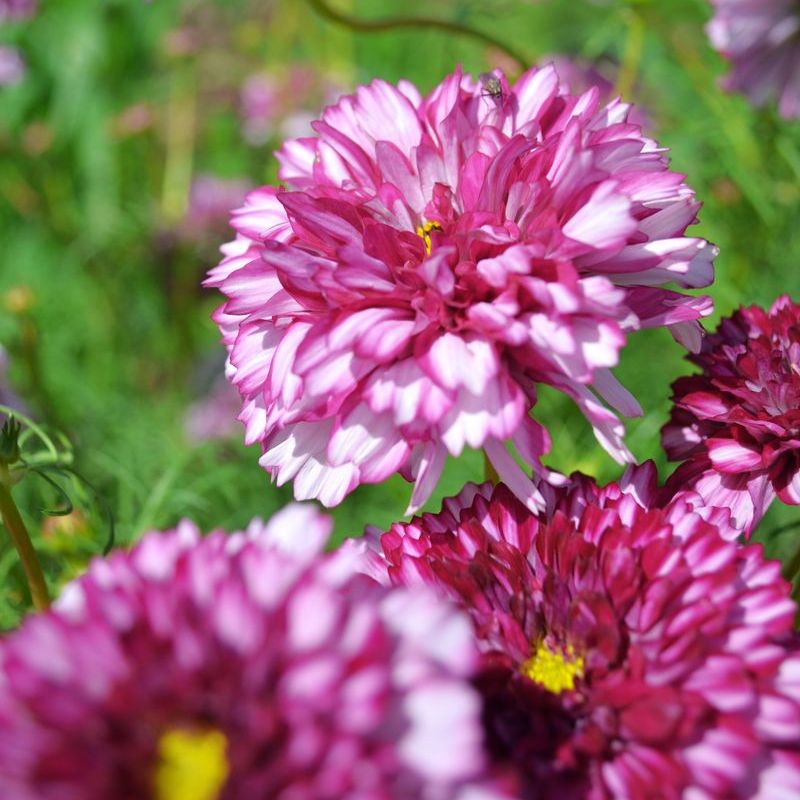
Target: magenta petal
(728, 455)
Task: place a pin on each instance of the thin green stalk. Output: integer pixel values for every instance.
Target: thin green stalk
(490, 473)
(632, 56)
(418, 23)
(791, 570)
(22, 542)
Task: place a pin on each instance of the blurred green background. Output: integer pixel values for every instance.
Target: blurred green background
(106, 231)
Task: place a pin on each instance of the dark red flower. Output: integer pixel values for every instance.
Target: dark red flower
(629, 650)
(737, 425)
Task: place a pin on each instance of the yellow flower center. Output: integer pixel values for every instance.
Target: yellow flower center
(424, 231)
(192, 765)
(554, 671)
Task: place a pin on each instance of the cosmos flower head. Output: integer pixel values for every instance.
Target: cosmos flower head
(761, 39)
(244, 666)
(628, 649)
(431, 260)
(736, 426)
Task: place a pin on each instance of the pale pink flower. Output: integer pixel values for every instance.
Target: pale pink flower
(628, 650)
(736, 426)
(210, 201)
(761, 39)
(238, 668)
(12, 66)
(17, 9)
(259, 106)
(433, 259)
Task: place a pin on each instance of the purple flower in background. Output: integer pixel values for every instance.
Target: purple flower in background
(12, 66)
(737, 425)
(628, 650)
(433, 259)
(761, 39)
(213, 416)
(244, 666)
(210, 201)
(17, 9)
(260, 104)
(280, 105)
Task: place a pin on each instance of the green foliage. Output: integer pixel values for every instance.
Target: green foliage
(103, 317)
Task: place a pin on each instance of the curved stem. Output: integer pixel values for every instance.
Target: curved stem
(22, 542)
(420, 23)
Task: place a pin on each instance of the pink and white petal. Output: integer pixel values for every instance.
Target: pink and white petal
(728, 455)
(428, 461)
(453, 361)
(512, 476)
(604, 222)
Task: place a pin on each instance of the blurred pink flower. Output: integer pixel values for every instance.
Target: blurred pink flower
(259, 107)
(737, 425)
(431, 260)
(210, 201)
(213, 416)
(629, 651)
(281, 105)
(761, 39)
(246, 666)
(17, 9)
(12, 66)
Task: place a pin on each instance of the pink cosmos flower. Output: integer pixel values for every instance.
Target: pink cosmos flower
(238, 667)
(761, 39)
(629, 651)
(737, 425)
(431, 260)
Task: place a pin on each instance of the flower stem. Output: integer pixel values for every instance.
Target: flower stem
(632, 55)
(22, 542)
(791, 570)
(419, 23)
(490, 473)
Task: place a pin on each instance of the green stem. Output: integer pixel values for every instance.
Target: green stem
(791, 570)
(490, 473)
(632, 56)
(418, 23)
(22, 542)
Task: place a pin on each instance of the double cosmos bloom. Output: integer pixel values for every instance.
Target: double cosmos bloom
(431, 260)
(736, 426)
(627, 649)
(240, 667)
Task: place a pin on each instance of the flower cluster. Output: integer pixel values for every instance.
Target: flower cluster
(737, 424)
(762, 41)
(628, 650)
(241, 666)
(428, 263)
(431, 260)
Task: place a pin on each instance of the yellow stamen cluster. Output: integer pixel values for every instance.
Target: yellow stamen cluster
(424, 231)
(554, 671)
(193, 765)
